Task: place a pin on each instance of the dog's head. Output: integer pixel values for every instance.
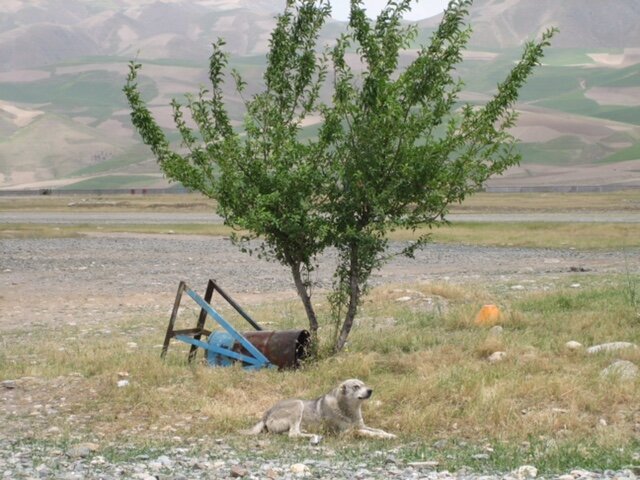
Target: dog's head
(354, 389)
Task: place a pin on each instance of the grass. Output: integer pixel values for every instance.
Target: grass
(482, 202)
(581, 236)
(535, 234)
(433, 385)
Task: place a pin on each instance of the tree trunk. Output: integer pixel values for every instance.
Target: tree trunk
(303, 293)
(354, 299)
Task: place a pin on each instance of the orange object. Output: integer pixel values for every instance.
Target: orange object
(488, 315)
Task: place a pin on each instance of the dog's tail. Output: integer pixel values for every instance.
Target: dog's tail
(257, 429)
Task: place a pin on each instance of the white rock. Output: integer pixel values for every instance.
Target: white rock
(610, 347)
(496, 357)
(575, 285)
(526, 471)
(517, 287)
(299, 469)
(122, 383)
(403, 299)
(621, 369)
(573, 345)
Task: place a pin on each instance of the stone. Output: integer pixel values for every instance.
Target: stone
(238, 472)
(497, 357)
(315, 440)
(8, 384)
(299, 469)
(622, 370)
(610, 347)
(526, 471)
(573, 345)
(82, 450)
(481, 456)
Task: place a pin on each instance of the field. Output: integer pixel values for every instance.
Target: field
(86, 306)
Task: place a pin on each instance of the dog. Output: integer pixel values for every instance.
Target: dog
(337, 411)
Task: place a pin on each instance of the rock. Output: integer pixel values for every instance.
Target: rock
(610, 347)
(315, 440)
(299, 469)
(82, 450)
(573, 345)
(526, 471)
(480, 456)
(496, 357)
(403, 299)
(517, 287)
(122, 383)
(8, 384)
(272, 473)
(622, 370)
(238, 472)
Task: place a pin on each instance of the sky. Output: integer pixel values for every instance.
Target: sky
(419, 10)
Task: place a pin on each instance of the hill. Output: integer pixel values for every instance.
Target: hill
(63, 63)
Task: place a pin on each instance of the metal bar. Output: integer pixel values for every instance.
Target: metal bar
(237, 307)
(220, 351)
(201, 319)
(230, 330)
(172, 320)
(191, 331)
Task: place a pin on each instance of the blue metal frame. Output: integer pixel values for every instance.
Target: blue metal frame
(257, 358)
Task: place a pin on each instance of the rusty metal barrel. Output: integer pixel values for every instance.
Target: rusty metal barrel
(284, 349)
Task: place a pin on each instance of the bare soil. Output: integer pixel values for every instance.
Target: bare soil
(102, 278)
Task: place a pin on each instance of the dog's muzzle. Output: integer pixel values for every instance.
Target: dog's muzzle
(367, 394)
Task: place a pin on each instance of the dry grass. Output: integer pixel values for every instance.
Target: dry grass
(109, 203)
(426, 363)
(525, 234)
(622, 200)
(534, 234)
(479, 203)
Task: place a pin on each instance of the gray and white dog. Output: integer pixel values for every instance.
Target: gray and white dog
(336, 411)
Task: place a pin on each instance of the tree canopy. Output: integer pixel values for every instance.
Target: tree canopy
(395, 146)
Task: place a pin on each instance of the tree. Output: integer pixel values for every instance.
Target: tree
(394, 150)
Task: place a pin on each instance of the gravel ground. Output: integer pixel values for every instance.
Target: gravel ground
(219, 460)
(99, 279)
(48, 280)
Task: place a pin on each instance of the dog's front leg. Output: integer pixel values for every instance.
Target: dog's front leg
(374, 433)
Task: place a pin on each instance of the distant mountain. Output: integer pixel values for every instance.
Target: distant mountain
(64, 119)
(595, 24)
(43, 32)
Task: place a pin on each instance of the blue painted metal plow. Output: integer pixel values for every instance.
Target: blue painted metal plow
(256, 349)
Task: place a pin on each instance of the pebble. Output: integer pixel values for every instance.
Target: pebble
(196, 460)
(573, 345)
(622, 370)
(496, 357)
